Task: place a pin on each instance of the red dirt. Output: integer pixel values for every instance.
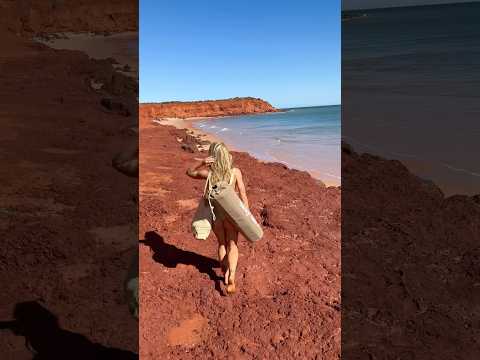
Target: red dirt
(288, 300)
(51, 16)
(236, 106)
(66, 214)
(410, 265)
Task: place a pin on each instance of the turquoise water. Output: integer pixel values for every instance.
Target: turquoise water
(302, 138)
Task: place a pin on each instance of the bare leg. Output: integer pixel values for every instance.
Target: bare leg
(232, 256)
(219, 231)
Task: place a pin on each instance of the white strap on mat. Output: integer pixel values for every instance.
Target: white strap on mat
(206, 193)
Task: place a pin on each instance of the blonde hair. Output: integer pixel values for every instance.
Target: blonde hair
(221, 169)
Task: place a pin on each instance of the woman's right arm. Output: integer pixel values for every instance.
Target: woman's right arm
(195, 171)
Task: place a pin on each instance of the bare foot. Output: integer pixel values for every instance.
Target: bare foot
(225, 271)
(230, 289)
(231, 286)
(226, 275)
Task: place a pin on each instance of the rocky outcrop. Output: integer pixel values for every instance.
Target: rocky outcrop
(208, 108)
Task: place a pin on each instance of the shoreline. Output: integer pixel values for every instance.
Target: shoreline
(119, 46)
(187, 124)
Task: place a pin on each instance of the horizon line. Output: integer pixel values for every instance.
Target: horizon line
(411, 6)
(277, 107)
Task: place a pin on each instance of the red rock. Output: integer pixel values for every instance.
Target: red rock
(235, 106)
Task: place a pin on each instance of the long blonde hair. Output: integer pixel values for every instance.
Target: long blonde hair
(221, 169)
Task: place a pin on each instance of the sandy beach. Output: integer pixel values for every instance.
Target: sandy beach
(188, 124)
(122, 47)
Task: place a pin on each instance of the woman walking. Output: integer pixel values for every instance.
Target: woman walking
(217, 167)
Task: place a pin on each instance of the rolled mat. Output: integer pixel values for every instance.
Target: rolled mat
(224, 197)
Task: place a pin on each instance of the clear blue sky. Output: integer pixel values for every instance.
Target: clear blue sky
(286, 52)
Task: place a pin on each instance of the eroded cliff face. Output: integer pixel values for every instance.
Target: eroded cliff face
(52, 16)
(210, 108)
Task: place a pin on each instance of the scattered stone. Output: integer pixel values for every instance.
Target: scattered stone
(476, 199)
(189, 148)
(276, 340)
(264, 214)
(95, 85)
(115, 106)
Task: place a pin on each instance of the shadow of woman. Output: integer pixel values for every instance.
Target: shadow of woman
(170, 256)
(47, 340)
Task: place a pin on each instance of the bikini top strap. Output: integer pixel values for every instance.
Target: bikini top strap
(231, 178)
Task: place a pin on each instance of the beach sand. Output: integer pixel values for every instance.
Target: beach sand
(123, 47)
(188, 125)
(295, 266)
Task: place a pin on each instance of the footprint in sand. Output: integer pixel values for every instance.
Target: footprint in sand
(121, 236)
(189, 333)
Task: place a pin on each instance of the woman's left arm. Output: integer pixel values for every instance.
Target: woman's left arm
(241, 187)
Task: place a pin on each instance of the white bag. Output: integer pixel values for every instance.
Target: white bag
(202, 220)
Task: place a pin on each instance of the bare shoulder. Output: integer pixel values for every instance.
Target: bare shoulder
(237, 172)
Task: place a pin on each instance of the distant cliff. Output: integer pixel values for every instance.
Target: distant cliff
(235, 106)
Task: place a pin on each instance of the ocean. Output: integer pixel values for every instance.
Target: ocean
(305, 138)
(411, 90)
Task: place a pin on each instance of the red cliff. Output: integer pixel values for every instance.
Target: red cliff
(227, 107)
